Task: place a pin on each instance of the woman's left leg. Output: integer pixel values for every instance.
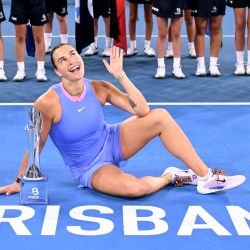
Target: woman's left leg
(136, 132)
(109, 179)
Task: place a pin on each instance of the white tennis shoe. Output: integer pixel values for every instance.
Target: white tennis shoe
(20, 75)
(160, 73)
(92, 50)
(2, 75)
(240, 69)
(217, 181)
(180, 177)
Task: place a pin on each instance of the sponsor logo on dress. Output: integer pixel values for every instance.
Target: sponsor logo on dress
(80, 109)
(14, 18)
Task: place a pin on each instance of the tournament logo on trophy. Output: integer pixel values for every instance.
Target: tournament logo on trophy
(34, 188)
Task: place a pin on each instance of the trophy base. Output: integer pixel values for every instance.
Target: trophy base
(34, 192)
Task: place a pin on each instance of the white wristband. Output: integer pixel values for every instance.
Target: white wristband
(120, 76)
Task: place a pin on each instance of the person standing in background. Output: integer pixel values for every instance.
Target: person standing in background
(60, 8)
(208, 13)
(2, 18)
(101, 8)
(190, 27)
(21, 13)
(133, 14)
(164, 10)
(241, 21)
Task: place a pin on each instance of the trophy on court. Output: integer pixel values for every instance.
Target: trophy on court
(34, 185)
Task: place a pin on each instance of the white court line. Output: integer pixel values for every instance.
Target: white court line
(158, 104)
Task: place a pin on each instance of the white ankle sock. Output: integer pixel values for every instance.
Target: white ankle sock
(47, 39)
(40, 65)
(64, 38)
(204, 178)
(240, 57)
(20, 66)
(177, 62)
(133, 43)
(147, 43)
(213, 61)
(161, 62)
(201, 60)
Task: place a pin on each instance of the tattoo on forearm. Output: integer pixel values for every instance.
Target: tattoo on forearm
(132, 103)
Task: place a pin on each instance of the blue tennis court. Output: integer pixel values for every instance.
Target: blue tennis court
(213, 112)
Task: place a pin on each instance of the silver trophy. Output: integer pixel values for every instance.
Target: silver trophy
(34, 183)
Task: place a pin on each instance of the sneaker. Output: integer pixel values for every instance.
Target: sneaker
(191, 52)
(20, 75)
(201, 70)
(214, 71)
(248, 70)
(240, 69)
(169, 53)
(48, 50)
(180, 177)
(106, 52)
(177, 73)
(92, 50)
(2, 75)
(149, 51)
(131, 51)
(217, 181)
(41, 75)
(160, 73)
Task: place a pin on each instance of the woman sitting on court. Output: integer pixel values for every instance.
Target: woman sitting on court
(73, 117)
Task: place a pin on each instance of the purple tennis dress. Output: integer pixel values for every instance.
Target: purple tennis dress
(82, 137)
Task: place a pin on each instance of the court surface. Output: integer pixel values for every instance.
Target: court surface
(213, 112)
(221, 136)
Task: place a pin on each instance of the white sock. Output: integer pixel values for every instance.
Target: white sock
(170, 45)
(213, 61)
(47, 39)
(248, 57)
(95, 42)
(147, 43)
(1, 64)
(108, 42)
(177, 62)
(64, 38)
(201, 60)
(205, 178)
(191, 45)
(240, 57)
(40, 65)
(133, 44)
(161, 62)
(20, 66)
